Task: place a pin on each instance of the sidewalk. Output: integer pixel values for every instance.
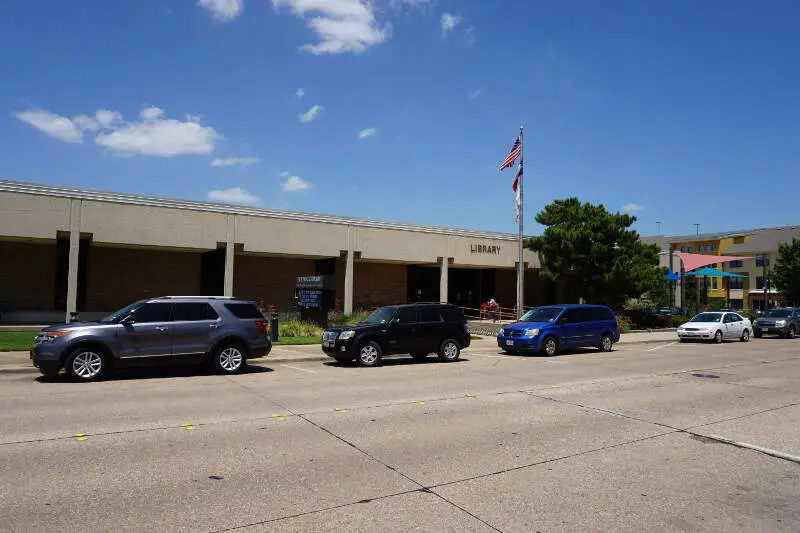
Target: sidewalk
(13, 362)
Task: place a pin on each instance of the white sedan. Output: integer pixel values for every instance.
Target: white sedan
(716, 326)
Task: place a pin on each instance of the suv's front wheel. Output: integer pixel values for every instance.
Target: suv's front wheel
(370, 354)
(85, 364)
(229, 359)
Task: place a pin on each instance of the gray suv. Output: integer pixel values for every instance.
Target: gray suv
(220, 331)
(784, 322)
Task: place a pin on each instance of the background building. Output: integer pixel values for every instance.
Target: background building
(64, 249)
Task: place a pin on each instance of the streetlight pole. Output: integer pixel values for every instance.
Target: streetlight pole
(658, 225)
(697, 228)
(764, 280)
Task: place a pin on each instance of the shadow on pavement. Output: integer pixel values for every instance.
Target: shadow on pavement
(164, 372)
(396, 362)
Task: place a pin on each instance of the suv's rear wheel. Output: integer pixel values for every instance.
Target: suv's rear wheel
(370, 354)
(229, 359)
(449, 351)
(85, 364)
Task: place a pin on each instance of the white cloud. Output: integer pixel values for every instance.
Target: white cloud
(449, 23)
(108, 119)
(474, 94)
(161, 137)
(367, 132)
(231, 161)
(222, 10)
(311, 114)
(411, 3)
(54, 125)
(234, 195)
(341, 25)
(632, 208)
(295, 184)
(300, 93)
(151, 113)
(151, 135)
(284, 174)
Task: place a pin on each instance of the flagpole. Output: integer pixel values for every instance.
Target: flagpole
(521, 266)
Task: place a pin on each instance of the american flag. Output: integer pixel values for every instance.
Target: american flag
(516, 179)
(517, 190)
(512, 155)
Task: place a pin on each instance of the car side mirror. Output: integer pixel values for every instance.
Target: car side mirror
(561, 321)
(394, 321)
(127, 321)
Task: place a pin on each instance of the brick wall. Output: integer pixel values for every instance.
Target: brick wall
(271, 279)
(117, 277)
(27, 275)
(378, 284)
(505, 288)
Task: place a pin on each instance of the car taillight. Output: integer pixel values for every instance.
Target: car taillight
(263, 325)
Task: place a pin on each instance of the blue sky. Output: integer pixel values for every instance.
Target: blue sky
(681, 112)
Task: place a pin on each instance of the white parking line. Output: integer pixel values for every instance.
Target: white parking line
(300, 369)
(662, 346)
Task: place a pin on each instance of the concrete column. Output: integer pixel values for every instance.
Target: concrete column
(443, 271)
(230, 252)
(74, 248)
(348, 282)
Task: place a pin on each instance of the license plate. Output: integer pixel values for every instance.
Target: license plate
(509, 343)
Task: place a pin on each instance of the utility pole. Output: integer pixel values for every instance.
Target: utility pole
(697, 228)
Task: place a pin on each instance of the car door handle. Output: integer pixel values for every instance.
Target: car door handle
(161, 328)
(213, 326)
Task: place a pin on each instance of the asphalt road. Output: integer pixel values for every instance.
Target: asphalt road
(633, 440)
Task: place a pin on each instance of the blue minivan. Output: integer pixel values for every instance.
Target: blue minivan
(551, 328)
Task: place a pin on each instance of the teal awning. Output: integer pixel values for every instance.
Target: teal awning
(714, 272)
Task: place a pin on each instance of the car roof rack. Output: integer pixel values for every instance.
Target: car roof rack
(196, 297)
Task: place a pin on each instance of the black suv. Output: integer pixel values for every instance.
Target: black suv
(417, 329)
(221, 331)
(784, 322)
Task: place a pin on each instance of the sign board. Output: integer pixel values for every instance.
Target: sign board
(493, 249)
(315, 282)
(309, 298)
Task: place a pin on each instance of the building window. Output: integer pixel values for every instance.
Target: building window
(736, 264)
(714, 283)
(689, 249)
(760, 258)
(713, 247)
(736, 283)
(683, 249)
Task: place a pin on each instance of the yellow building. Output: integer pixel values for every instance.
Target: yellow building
(733, 290)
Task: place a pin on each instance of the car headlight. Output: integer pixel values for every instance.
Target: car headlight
(347, 335)
(50, 336)
(531, 332)
(502, 332)
(780, 323)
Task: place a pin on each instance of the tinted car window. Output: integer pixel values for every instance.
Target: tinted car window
(452, 314)
(571, 316)
(244, 311)
(429, 314)
(406, 315)
(189, 311)
(152, 312)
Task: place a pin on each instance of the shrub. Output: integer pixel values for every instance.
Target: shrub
(341, 319)
(623, 323)
(750, 315)
(296, 328)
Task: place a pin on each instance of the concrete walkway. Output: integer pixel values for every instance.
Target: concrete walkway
(20, 361)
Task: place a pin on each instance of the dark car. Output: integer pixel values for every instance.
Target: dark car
(221, 331)
(784, 322)
(416, 329)
(552, 328)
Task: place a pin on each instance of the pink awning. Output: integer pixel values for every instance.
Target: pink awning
(695, 261)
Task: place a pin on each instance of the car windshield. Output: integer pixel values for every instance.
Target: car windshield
(779, 313)
(707, 317)
(541, 314)
(116, 315)
(381, 316)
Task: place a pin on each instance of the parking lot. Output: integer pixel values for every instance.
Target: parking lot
(657, 436)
